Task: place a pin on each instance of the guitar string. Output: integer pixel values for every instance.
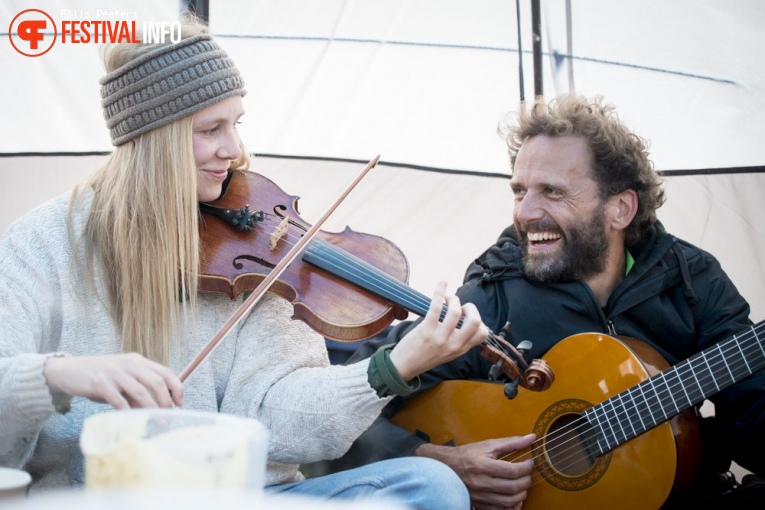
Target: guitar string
(539, 476)
(726, 346)
(573, 428)
(374, 277)
(538, 450)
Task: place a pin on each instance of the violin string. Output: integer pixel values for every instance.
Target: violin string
(376, 278)
(341, 259)
(382, 280)
(582, 431)
(373, 276)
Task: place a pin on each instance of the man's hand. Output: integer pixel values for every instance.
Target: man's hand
(492, 483)
(120, 380)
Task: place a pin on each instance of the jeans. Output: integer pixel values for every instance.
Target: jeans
(414, 482)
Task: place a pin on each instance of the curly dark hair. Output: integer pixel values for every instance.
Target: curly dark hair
(620, 157)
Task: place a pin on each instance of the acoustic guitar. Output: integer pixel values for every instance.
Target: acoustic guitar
(616, 429)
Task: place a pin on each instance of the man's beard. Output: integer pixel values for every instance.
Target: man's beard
(585, 252)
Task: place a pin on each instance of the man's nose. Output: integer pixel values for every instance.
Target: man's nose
(529, 208)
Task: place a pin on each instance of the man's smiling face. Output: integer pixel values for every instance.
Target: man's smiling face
(559, 214)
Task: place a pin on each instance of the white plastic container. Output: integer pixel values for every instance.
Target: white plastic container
(14, 484)
(165, 448)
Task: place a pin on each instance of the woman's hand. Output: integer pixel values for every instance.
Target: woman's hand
(120, 380)
(433, 342)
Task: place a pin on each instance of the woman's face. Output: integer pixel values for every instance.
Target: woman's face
(216, 145)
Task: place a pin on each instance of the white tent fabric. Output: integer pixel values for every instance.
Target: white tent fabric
(425, 84)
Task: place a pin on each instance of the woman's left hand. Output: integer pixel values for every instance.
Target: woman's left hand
(433, 341)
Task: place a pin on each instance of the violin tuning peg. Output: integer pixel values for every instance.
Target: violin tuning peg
(495, 371)
(511, 389)
(524, 347)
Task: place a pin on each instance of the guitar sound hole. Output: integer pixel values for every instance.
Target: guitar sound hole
(569, 446)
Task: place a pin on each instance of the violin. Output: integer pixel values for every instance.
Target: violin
(234, 260)
(347, 286)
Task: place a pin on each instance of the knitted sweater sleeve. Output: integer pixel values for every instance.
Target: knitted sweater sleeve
(27, 319)
(281, 376)
(25, 405)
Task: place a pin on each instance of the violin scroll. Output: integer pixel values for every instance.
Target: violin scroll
(538, 376)
(509, 360)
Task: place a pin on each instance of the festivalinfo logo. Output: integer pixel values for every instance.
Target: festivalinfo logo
(33, 32)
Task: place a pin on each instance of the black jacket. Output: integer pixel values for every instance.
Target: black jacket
(676, 298)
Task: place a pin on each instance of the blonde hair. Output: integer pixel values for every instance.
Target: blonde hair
(142, 228)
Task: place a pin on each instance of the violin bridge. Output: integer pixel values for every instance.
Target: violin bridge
(278, 233)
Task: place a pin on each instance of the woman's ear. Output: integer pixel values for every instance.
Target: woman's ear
(622, 208)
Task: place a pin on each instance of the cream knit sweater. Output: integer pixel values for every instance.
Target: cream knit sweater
(269, 367)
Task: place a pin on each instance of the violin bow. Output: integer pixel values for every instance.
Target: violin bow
(275, 273)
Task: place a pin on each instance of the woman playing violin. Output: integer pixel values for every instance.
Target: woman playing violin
(100, 309)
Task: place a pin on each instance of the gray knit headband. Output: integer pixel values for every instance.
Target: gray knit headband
(166, 84)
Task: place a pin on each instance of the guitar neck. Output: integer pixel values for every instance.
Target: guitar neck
(667, 394)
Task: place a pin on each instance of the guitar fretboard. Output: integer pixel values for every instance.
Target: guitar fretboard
(667, 394)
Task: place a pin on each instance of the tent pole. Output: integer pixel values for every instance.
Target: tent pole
(536, 28)
(520, 49)
(569, 48)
